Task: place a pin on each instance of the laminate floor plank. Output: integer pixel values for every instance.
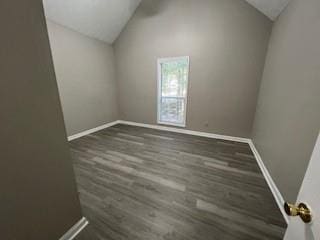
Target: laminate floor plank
(137, 183)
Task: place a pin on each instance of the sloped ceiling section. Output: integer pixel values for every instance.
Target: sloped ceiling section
(100, 19)
(105, 19)
(271, 8)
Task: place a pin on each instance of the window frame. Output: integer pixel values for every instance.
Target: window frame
(160, 61)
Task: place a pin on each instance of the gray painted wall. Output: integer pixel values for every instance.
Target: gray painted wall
(86, 79)
(288, 112)
(226, 41)
(38, 196)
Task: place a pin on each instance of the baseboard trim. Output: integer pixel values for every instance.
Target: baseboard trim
(75, 229)
(275, 191)
(273, 187)
(96, 129)
(185, 131)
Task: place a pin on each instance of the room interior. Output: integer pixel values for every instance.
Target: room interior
(157, 119)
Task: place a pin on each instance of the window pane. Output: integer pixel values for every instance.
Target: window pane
(173, 82)
(172, 110)
(174, 78)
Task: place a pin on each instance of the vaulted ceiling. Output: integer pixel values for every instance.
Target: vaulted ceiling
(100, 19)
(271, 8)
(105, 19)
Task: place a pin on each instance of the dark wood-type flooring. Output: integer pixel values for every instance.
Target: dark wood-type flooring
(144, 184)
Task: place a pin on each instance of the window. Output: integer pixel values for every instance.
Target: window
(172, 90)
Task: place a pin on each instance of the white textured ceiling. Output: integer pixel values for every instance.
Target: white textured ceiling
(100, 19)
(105, 19)
(271, 8)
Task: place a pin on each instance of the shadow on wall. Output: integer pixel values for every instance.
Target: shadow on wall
(153, 7)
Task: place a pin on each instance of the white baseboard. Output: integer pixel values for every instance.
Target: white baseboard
(185, 131)
(75, 230)
(87, 132)
(275, 191)
(273, 187)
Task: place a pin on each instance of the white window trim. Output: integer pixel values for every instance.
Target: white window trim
(164, 60)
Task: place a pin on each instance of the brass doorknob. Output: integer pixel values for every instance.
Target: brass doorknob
(301, 210)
